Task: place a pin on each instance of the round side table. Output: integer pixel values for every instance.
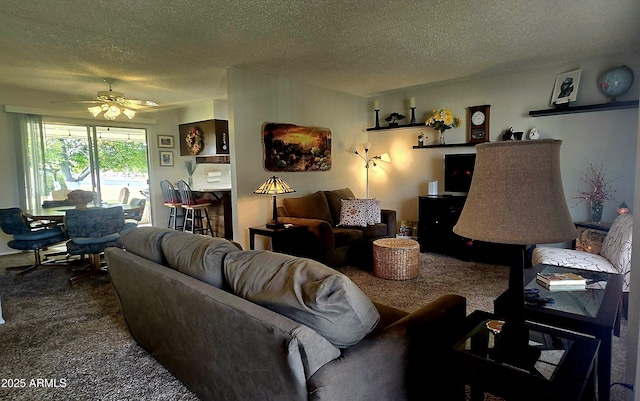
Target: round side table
(396, 258)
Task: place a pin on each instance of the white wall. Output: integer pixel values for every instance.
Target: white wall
(256, 98)
(607, 138)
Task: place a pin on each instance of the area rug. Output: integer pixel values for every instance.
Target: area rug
(69, 343)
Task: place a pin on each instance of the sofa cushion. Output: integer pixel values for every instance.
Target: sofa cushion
(305, 291)
(198, 256)
(344, 236)
(334, 197)
(376, 231)
(312, 206)
(146, 242)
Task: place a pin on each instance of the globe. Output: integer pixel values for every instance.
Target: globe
(616, 81)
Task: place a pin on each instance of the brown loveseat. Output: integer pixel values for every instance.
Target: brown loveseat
(327, 241)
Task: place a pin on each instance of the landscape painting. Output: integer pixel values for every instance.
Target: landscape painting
(292, 148)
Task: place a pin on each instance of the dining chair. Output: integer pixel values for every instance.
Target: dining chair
(123, 198)
(194, 208)
(173, 202)
(90, 231)
(60, 194)
(137, 211)
(26, 237)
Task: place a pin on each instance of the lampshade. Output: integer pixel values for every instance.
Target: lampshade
(516, 195)
(274, 185)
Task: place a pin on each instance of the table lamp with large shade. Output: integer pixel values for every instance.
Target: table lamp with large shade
(516, 198)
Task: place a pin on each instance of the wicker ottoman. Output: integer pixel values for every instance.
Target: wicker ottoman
(396, 258)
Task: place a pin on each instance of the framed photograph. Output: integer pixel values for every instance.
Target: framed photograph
(166, 158)
(566, 88)
(165, 141)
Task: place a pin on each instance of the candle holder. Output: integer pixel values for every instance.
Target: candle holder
(413, 114)
(377, 118)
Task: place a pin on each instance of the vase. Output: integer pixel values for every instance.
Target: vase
(596, 212)
(190, 181)
(442, 138)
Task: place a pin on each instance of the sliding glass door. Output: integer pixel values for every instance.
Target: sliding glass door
(109, 161)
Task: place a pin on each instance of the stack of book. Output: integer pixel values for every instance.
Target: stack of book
(561, 281)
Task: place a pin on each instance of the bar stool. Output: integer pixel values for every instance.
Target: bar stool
(194, 207)
(173, 202)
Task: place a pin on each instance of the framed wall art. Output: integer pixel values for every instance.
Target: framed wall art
(293, 148)
(165, 141)
(566, 88)
(166, 158)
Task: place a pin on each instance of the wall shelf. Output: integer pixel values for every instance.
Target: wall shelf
(631, 104)
(398, 127)
(448, 145)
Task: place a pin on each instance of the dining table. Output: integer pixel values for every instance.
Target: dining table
(57, 213)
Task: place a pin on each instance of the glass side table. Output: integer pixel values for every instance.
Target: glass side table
(563, 369)
(595, 311)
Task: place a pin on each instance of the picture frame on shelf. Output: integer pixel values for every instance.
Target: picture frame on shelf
(566, 88)
(166, 141)
(166, 158)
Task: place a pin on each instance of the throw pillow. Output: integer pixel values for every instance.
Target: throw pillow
(353, 213)
(373, 211)
(359, 212)
(305, 291)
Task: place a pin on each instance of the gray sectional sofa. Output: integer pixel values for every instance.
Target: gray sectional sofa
(258, 325)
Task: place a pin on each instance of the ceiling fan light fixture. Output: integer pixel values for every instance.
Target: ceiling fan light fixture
(112, 112)
(112, 104)
(129, 113)
(95, 110)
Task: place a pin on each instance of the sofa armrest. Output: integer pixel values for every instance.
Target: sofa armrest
(393, 364)
(388, 217)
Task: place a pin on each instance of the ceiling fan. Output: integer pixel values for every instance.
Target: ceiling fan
(112, 104)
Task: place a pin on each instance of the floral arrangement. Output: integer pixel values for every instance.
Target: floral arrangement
(600, 189)
(194, 140)
(442, 120)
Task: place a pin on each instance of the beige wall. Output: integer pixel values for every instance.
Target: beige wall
(256, 98)
(607, 137)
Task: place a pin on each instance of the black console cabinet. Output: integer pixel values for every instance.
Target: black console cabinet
(436, 217)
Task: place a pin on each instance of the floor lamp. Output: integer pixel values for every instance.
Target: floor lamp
(516, 198)
(274, 186)
(368, 161)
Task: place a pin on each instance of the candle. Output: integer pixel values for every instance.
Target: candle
(376, 105)
(412, 102)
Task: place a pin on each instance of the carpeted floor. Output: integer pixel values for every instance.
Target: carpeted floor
(76, 339)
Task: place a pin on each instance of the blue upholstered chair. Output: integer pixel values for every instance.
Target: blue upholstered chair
(90, 231)
(136, 214)
(27, 238)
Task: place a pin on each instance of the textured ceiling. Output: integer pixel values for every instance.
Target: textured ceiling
(175, 51)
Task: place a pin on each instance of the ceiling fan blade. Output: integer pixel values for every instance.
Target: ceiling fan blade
(96, 101)
(136, 102)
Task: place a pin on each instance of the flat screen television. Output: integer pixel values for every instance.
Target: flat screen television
(458, 170)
